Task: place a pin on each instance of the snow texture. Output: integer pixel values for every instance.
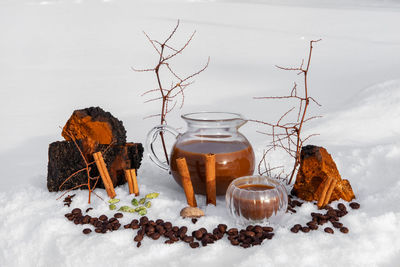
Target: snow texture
(59, 55)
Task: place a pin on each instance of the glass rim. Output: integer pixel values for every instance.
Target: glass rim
(233, 116)
(235, 182)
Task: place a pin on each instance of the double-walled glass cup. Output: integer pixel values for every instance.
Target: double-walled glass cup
(256, 199)
(208, 132)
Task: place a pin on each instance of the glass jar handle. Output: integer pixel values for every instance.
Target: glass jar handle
(152, 137)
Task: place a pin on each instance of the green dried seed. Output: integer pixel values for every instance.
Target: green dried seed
(125, 208)
(131, 210)
(113, 201)
(140, 208)
(142, 200)
(135, 202)
(147, 204)
(112, 207)
(143, 212)
(152, 195)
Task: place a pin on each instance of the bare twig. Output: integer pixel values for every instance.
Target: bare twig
(179, 83)
(287, 135)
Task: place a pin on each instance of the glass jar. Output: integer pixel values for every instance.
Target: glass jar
(256, 199)
(208, 132)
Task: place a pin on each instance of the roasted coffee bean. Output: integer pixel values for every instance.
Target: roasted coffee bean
(167, 225)
(169, 242)
(268, 229)
(194, 244)
(257, 229)
(311, 223)
(150, 230)
(249, 233)
(314, 214)
(118, 215)
(88, 209)
(138, 238)
(334, 219)
(313, 227)
(86, 219)
(341, 207)
(331, 213)
(222, 228)
(344, 230)
(322, 222)
(298, 226)
(116, 226)
(155, 236)
(175, 229)
(294, 229)
(198, 234)
(76, 221)
(327, 207)
(270, 235)
(291, 210)
(159, 221)
(341, 213)
(127, 226)
(182, 230)
(259, 235)
(337, 224)
(152, 223)
(112, 220)
(305, 229)
(204, 242)
(174, 238)
(329, 230)
(249, 228)
(245, 245)
(233, 231)
(235, 242)
(354, 205)
(103, 218)
(87, 231)
(297, 203)
(188, 239)
(93, 220)
(138, 244)
(76, 211)
(97, 230)
(103, 230)
(97, 224)
(144, 220)
(194, 220)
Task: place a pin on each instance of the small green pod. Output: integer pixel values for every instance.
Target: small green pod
(147, 204)
(112, 207)
(135, 202)
(113, 200)
(152, 195)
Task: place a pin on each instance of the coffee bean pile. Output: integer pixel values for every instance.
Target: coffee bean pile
(102, 224)
(292, 204)
(331, 215)
(68, 200)
(251, 236)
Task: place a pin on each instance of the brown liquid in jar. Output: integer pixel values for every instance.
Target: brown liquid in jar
(233, 160)
(251, 206)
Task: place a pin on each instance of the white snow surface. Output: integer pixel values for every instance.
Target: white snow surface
(57, 56)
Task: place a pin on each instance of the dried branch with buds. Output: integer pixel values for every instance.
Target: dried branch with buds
(288, 135)
(174, 94)
(86, 169)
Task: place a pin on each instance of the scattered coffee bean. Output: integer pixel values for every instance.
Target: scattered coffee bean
(194, 220)
(194, 244)
(329, 230)
(305, 229)
(76, 211)
(294, 229)
(344, 230)
(341, 207)
(87, 231)
(354, 205)
(138, 244)
(88, 209)
(103, 218)
(337, 224)
(118, 215)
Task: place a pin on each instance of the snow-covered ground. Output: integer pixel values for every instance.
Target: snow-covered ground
(57, 56)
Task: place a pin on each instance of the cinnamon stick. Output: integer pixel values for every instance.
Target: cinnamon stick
(210, 179)
(327, 184)
(330, 191)
(186, 181)
(130, 176)
(105, 176)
